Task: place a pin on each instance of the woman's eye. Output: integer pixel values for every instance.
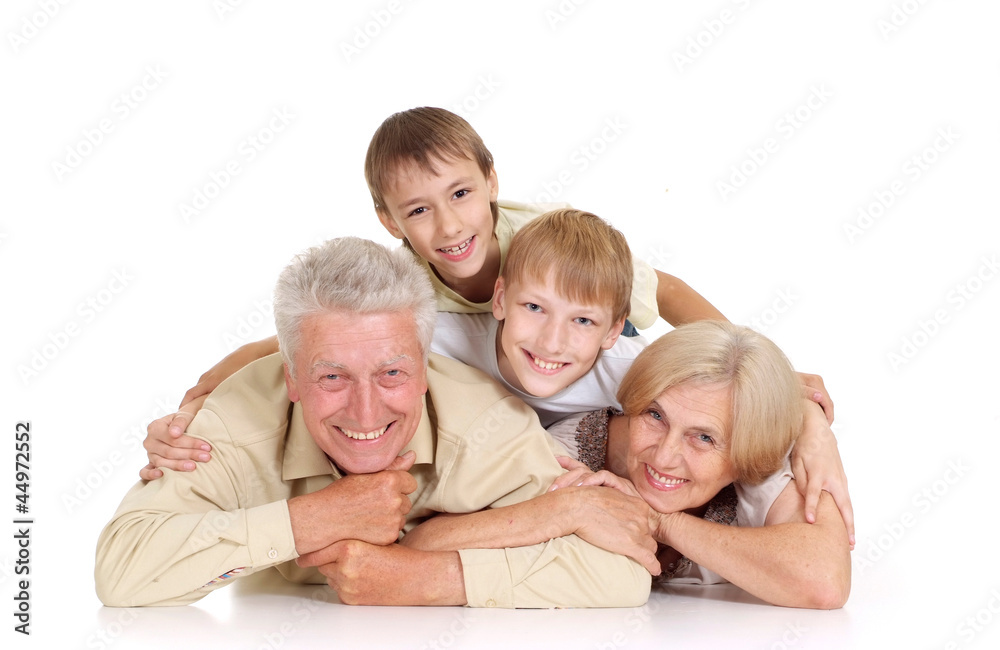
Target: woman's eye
(704, 437)
(653, 413)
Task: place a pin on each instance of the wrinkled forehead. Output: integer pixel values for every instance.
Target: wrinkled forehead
(361, 342)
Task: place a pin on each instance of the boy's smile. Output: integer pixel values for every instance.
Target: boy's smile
(446, 218)
(547, 341)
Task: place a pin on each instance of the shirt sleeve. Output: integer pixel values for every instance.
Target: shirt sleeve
(563, 572)
(644, 308)
(175, 539)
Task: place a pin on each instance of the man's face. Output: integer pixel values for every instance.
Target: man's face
(547, 340)
(446, 217)
(359, 379)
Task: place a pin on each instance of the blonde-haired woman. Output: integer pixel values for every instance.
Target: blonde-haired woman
(698, 462)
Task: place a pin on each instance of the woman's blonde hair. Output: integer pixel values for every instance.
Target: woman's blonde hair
(766, 407)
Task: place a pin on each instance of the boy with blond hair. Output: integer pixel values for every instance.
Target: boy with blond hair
(558, 308)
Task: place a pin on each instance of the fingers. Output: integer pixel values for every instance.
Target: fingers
(647, 558)
(569, 463)
(201, 389)
(323, 556)
(403, 463)
(814, 389)
(150, 473)
(179, 423)
(843, 501)
(570, 478)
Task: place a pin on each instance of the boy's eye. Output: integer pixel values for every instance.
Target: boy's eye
(582, 320)
(530, 306)
(459, 194)
(418, 211)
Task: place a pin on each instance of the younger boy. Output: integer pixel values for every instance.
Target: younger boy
(553, 336)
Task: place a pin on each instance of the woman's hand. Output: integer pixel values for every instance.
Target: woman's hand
(817, 466)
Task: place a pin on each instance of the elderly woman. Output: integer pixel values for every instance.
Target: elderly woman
(698, 463)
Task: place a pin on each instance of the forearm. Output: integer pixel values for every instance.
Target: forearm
(529, 522)
(678, 303)
(791, 564)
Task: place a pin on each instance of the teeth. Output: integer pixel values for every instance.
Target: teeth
(660, 479)
(457, 250)
(357, 435)
(547, 365)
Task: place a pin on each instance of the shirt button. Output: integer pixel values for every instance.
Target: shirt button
(491, 603)
(272, 554)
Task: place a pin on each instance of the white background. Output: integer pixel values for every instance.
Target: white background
(114, 302)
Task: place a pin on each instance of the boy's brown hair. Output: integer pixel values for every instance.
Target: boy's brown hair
(589, 259)
(421, 135)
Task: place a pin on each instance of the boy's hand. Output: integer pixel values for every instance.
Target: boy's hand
(817, 466)
(166, 446)
(232, 362)
(814, 389)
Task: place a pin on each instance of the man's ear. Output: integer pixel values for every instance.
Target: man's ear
(498, 299)
(389, 223)
(293, 392)
(613, 334)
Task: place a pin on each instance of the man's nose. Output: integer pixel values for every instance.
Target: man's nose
(365, 407)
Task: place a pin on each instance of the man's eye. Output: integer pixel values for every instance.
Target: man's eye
(331, 377)
(392, 373)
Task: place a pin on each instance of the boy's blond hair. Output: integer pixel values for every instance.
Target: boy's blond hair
(423, 136)
(589, 259)
(765, 394)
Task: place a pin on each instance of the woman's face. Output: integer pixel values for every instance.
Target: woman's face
(678, 447)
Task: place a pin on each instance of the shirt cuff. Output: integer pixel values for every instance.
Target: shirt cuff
(270, 534)
(487, 578)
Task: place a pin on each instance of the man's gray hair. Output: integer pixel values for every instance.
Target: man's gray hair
(352, 275)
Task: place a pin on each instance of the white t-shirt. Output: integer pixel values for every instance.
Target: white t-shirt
(471, 339)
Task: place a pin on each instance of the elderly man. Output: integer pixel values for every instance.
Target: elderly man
(325, 454)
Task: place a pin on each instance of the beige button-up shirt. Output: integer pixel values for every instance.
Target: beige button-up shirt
(175, 539)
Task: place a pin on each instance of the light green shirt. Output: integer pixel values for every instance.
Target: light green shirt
(174, 540)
